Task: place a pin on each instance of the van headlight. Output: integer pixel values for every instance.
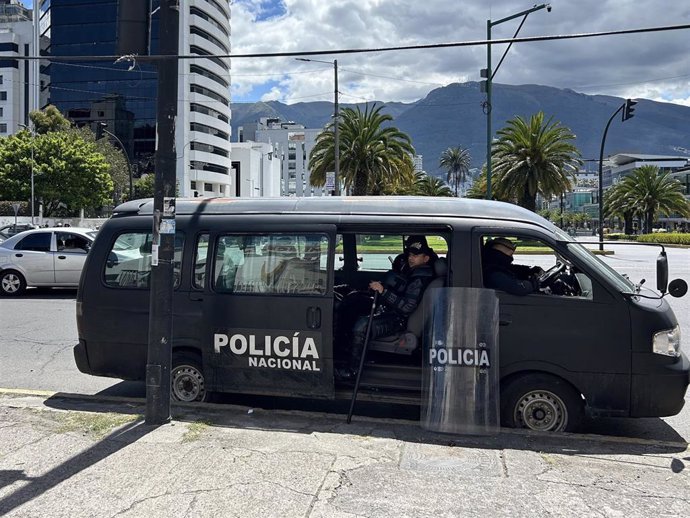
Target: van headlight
(667, 342)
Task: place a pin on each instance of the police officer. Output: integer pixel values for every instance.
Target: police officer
(399, 294)
(501, 274)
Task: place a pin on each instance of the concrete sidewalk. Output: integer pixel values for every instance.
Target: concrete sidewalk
(73, 457)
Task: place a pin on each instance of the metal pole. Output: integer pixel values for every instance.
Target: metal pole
(361, 360)
(159, 361)
(601, 183)
(336, 135)
(33, 136)
(488, 110)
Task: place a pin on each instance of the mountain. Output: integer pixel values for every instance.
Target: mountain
(454, 116)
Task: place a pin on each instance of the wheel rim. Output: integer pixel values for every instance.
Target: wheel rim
(11, 283)
(541, 410)
(188, 384)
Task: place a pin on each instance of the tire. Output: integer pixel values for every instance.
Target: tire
(12, 283)
(188, 383)
(541, 402)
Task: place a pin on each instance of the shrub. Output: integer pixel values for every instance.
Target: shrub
(619, 235)
(671, 238)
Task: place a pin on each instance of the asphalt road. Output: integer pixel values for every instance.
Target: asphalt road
(39, 331)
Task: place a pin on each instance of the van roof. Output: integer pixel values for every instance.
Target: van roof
(350, 205)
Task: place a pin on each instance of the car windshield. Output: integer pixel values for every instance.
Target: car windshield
(616, 279)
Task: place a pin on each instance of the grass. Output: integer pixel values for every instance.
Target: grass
(95, 426)
(194, 431)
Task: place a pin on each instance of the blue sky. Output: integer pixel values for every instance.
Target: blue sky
(653, 66)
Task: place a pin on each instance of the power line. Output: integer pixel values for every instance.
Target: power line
(471, 43)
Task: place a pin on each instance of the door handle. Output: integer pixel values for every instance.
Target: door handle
(61, 257)
(505, 320)
(196, 298)
(19, 255)
(313, 317)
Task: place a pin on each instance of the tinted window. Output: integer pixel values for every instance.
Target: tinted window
(129, 261)
(275, 264)
(38, 242)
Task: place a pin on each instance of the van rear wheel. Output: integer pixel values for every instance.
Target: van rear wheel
(541, 402)
(187, 379)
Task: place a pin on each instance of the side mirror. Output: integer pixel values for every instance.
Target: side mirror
(662, 272)
(677, 288)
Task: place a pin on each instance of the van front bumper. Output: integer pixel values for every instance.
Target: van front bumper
(660, 391)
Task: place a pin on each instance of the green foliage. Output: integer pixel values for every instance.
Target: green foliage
(119, 169)
(68, 171)
(48, 120)
(374, 159)
(145, 187)
(615, 236)
(426, 185)
(7, 209)
(671, 238)
(456, 161)
(646, 193)
(532, 157)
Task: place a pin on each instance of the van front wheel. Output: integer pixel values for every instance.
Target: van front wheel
(187, 378)
(543, 403)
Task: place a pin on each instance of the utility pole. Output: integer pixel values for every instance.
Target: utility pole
(336, 135)
(159, 361)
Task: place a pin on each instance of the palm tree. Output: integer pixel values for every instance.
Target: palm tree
(373, 158)
(426, 185)
(652, 194)
(533, 157)
(619, 202)
(456, 161)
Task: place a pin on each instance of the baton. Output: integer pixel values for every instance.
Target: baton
(361, 360)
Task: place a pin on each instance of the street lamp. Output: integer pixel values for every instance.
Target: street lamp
(336, 112)
(101, 128)
(489, 75)
(33, 136)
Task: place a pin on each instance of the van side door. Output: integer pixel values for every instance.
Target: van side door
(268, 311)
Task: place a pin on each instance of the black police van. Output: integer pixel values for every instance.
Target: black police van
(258, 284)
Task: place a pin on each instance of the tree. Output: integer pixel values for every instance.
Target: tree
(456, 161)
(532, 157)
(619, 203)
(649, 193)
(373, 158)
(119, 170)
(144, 187)
(49, 119)
(69, 173)
(426, 185)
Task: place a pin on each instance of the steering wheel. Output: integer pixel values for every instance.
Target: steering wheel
(550, 274)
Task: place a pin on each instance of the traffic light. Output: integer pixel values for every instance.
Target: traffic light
(629, 109)
(100, 128)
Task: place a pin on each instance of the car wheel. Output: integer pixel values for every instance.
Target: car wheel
(187, 379)
(541, 402)
(12, 283)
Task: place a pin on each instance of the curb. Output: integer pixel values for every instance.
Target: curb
(529, 434)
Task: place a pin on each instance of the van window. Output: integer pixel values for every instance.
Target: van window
(535, 258)
(129, 261)
(271, 264)
(376, 252)
(200, 256)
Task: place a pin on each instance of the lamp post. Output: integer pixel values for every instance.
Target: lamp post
(336, 112)
(101, 126)
(33, 136)
(489, 75)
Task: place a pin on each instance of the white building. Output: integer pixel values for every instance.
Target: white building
(17, 80)
(203, 112)
(294, 143)
(256, 169)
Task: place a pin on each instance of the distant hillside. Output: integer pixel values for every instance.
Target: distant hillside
(453, 116)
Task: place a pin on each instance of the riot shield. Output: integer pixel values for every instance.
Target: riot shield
(460, 381)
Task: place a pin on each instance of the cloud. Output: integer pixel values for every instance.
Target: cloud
(654, 64)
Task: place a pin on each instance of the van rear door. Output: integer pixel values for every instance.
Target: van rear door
(268, 311)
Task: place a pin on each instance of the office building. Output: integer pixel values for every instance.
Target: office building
(123, 94)
(17, 77)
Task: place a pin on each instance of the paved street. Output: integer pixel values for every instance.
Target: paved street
(40, 330)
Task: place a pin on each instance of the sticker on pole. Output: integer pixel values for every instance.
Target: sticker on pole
(154, 255)
(168, 208)
(167, 226)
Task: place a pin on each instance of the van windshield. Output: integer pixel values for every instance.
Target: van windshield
(616, 279)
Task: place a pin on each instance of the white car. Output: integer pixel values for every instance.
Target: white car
(43, 257)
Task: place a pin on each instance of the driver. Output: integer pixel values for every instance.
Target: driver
(501, 274)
